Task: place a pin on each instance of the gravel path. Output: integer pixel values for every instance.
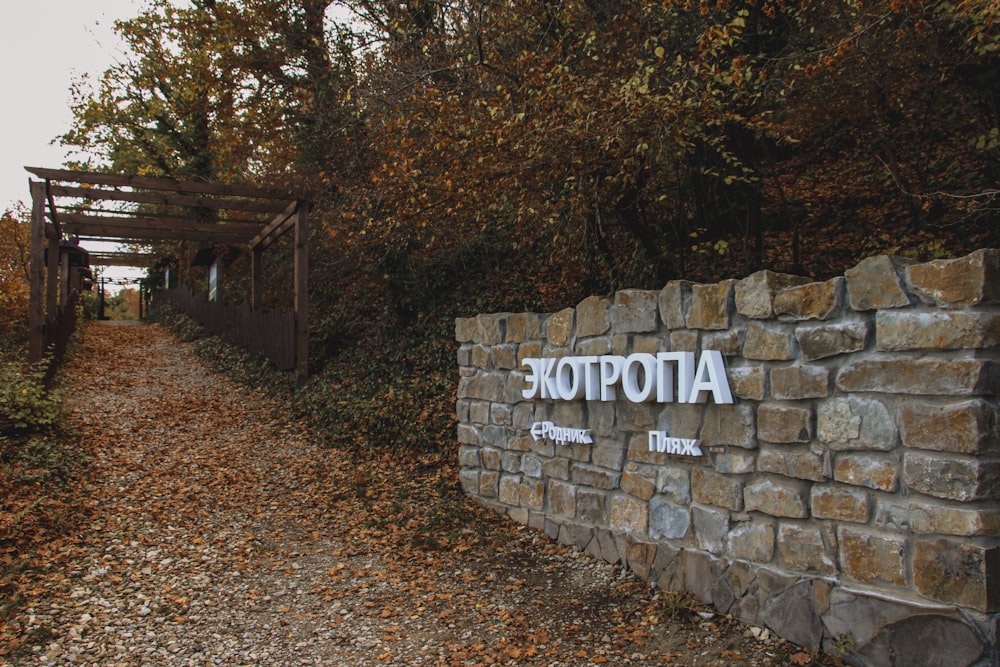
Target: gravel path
(218, 535)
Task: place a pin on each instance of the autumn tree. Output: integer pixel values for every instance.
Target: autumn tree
(14, 252)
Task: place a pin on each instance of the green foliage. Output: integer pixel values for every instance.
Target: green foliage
(26, 405)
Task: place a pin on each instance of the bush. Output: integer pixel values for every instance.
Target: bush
(26, 406)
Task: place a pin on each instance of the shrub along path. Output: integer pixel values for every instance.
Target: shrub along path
(212, 532)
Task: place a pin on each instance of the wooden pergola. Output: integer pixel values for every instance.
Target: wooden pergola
(139, 209)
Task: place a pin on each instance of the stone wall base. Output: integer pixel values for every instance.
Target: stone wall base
(863, 628)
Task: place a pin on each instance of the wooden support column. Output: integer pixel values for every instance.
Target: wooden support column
(36, 271)
(256, 277)
(52, 277)
(302, 294)
(64, 279)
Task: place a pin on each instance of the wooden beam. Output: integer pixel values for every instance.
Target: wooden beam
(169, 199)
(125, 234)
(278, 226)
(163, 224)
(150, 183)
(36, 273)
(136, 259)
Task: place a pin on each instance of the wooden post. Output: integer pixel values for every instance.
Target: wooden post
(302, 294)
(63, 278)
(36, 271)
(52, 276)
(256, 277)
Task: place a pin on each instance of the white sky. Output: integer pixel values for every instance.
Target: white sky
(44, 46)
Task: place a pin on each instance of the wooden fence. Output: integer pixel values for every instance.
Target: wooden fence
(260, 332)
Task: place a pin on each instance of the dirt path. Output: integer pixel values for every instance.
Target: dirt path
(217, 534)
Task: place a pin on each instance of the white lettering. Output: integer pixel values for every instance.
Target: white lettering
(667, 376)
(560, 435)
(711, 377)
(660, 442)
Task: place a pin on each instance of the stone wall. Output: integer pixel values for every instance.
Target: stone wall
(849, 497)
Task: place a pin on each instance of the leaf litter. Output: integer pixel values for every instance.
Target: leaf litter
(210, 530)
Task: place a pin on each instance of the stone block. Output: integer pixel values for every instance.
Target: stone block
(532, 466)
(711, 528)
(958, 283)
(967, 427)
(468, 456)
(482, 357)
(635, 311)
(635, 416)
(812, 301)
(952, 377)
(668, 521)
(878, 282)
(504, 357)
(735, 462)
(483, 386)
(469, 479)
(592, 347)
(797, 382)
(943, 476)
(592, 476)
(781, 423)
(591, 506)
(776, 496)
(840, 503)
(510, 490)
(752, 541)
(681, 420)
(639, 481)
(729, 343)
(754, 295)
(930, 517)
(871, 558)
(532, 494)
(479, 412)
(855, 423)
(674, 302)
(501, 414)
(464, 354)
(684, 341)
(763, 343)
(592, 317)
(562, 498)
(748, 383)
(468, 435)
(557, 468)
(608, 453)
(489, 483)
(629, 515)
(793, 614)
(528, 350)
(948, 330)
(490, 458)
(957, 572)
(729, 425)
(523, 416)
(806, 548)
(711, 488)
(799, 463)
(711, 305)
(465, 329)
(601, 419)
(559, 327)
(674, 482)
(874, 471)
(490, 329)
(510, 461)
(640, 557)
(831, 340)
